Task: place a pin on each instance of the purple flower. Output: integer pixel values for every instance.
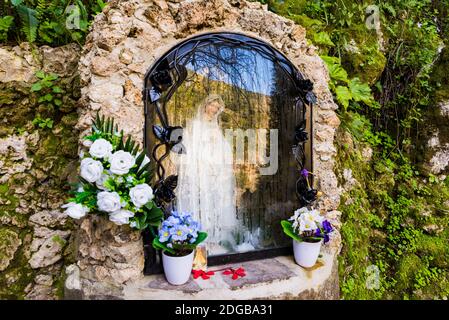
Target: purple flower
(305, 173)
(326, 238)
(318, 233)
(327, 226)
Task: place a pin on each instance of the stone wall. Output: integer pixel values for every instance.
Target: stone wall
(125, 40)
(35, 163)
(433, 149)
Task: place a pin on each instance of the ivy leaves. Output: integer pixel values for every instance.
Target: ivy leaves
(347, 91)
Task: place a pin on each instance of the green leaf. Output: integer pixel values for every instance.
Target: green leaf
(127, 144)
(57, 89)
(48, 97)
(337, 73)
(322, 38)
(343, 95)
(360, 91)
(155, 216)
(57, 102)
(121, 145)
(36, 87)
(143, 170)
(330, 60)
(149, 205)
(16, 2)
(29, 22)
(140, 158)
(288, 230)
(161, 246)
(191, 246)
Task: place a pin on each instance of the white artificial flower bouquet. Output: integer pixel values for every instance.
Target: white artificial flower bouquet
(114, 180)
(307, 225)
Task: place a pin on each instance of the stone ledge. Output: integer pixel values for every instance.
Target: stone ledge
(276, 278)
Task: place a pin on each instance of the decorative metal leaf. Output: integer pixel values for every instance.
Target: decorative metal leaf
(179, 148)
(171, 182)
(159, 132)
(154, 95)
(311, 97)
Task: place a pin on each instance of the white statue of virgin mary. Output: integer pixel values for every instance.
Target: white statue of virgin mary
(206, 182)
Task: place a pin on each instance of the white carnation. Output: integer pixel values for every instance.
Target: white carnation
(108, 201)
(75, 210)
(121, 216)
(141, 194)
(101, 148)
(121, 161)
(91, 169)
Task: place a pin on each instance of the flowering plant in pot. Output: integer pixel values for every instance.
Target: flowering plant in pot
(178, 236)
(308, 229)
(114, 180)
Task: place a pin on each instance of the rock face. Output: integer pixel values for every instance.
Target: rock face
(433, 151)
(125, 40)
(34, 166)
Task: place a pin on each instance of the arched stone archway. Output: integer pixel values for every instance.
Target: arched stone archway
(125, 40)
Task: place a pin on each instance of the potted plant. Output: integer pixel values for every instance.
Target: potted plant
(308, 229)
(114, 179)
(178, 236)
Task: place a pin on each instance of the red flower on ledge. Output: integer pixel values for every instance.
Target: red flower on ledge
(240, 272)
(200, 273)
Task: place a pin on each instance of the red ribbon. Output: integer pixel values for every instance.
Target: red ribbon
(240, 272)
(236, 273)
(202, 274)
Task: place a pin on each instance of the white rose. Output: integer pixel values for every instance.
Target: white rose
(108, 201)
(121, 216)
(91, 169)
(100, 182)
(75, 210)
(141, 194)
(101, 148)
(121, 161)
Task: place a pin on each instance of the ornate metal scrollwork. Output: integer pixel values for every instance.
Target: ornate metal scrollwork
(162, 80)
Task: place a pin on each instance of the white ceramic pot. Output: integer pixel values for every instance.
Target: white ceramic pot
(306, 253)
(177, 269)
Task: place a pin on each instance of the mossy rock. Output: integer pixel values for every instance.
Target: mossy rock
(366, 61)
(9, 243)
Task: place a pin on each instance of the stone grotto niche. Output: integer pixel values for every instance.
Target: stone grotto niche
(228, 121)
(128, 38)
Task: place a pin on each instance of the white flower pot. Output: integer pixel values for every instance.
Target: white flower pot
(306, 253)
(177, 269)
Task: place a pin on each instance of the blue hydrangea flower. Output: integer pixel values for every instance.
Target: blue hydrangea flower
(164, 234)
(185, 216)
(171, 221)
(179, 233)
